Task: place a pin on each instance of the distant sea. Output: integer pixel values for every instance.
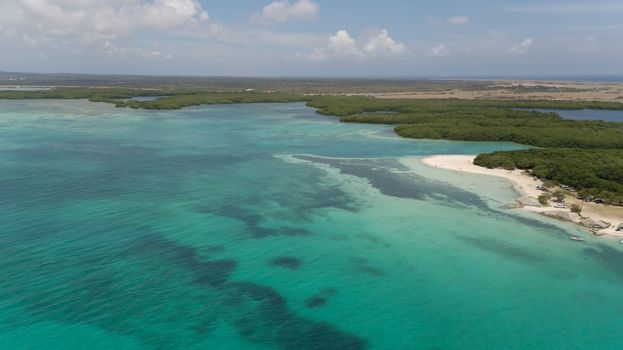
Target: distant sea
(584, 114)
(23, 88)
(579, 78)
(271, 227)
(582, 78)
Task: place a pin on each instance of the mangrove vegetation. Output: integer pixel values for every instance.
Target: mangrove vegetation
(587, 155)
(595, 173)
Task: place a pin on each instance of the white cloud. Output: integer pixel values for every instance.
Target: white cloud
(97, 28)
(93, 30)
(95, 18)
(283, 11)
(381, 44)
(522, 47)
(115, 28)
(342, 45)
(440, 50)
(458, 20)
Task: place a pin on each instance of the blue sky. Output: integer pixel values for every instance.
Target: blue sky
(391, 38)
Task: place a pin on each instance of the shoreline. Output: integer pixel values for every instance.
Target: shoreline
(525, 186)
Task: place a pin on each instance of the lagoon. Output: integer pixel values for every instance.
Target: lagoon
(271, 227)
(585, 114)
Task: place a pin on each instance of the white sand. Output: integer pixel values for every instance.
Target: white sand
(526, 186)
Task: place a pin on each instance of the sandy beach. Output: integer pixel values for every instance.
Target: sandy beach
(526, 187)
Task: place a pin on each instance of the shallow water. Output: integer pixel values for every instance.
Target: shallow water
(586, 114)
(144, 98)
(270, 227)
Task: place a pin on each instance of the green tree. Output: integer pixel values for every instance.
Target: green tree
(576, 209)
(549, 184)
(544, 198)
(559, 195)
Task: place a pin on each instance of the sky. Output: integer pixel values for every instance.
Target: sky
(313, 38)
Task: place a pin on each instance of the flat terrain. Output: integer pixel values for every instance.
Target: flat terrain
(383, 88)
(518, 89)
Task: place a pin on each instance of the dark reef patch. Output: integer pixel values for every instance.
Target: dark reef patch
(286, 262)
(315, 301)
(328, 197)
(148, 243)
(376, 171)
(214, 249)
(372, 239)
(534, 223)
(253, 222)
(610, 258)
(502, 249)
(120, 286)
(294, 231)
(370, 270)
(328, 291)
(282, 329)
(392, 178)
(361, 265)
(320, 299)
(214, 273)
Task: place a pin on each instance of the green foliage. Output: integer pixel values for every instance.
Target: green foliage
(576, 209)
(181, 101)
(355, 106)
(559, 195)
(167, 99)
(94, 94)
(479, 120)
(549, 184)
(567, 134)
(544, 198)
(596, 173)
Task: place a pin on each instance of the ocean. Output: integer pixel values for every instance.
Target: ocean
(268, 226)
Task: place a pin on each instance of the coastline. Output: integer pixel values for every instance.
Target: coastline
(526, 187)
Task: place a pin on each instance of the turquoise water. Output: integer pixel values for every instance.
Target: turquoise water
(270, 227)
